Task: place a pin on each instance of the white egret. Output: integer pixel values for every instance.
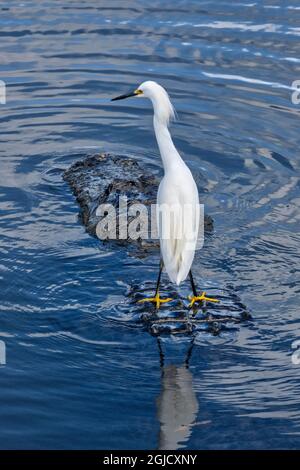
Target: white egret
(177, 195)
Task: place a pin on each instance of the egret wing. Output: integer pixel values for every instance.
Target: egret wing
(178, 222)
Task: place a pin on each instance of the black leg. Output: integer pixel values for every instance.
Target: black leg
(156, 299)
(161, 265)
(193, 284)
(196, 297)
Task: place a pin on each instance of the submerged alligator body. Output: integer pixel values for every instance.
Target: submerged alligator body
(104, 178)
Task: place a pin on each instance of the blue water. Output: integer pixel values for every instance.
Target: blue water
(80, 371)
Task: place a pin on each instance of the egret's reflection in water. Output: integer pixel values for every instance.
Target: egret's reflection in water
(177, 404)
(228, 67)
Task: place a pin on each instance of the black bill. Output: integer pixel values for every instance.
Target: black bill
(122, 97)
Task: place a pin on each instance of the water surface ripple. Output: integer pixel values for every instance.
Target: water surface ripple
(82, 371)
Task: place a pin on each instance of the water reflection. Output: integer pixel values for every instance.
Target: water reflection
(177, 404)
(229, 74)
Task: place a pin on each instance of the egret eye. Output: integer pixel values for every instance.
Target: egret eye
(138, 92)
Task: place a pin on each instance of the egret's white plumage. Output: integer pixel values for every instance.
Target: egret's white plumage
(178, 210)
(177, 199)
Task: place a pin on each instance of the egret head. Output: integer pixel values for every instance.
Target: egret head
(163, 108)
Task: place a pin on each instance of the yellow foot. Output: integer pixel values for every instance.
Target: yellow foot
(156, 300)
(200, 298)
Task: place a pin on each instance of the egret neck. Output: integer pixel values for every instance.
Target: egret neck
(169, 155)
